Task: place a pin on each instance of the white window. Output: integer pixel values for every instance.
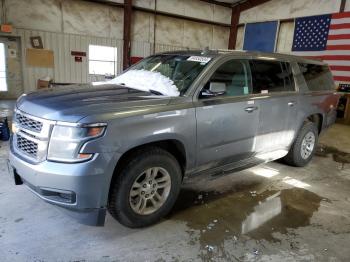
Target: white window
(3, 82)
(102, 60)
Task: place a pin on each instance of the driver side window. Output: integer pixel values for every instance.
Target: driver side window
(232, 78)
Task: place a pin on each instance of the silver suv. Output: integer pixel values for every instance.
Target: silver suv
(127, 145)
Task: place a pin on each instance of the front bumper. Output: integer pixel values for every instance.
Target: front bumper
(80, 188)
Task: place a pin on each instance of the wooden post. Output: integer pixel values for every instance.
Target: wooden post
(342, 6)
(126, 33)
(234, 27)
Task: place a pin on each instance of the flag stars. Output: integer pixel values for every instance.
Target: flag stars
(311, 33)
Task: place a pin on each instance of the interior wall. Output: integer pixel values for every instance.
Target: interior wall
(163, 33)
(193, 8)
(280, 10)
(64, 26)
(65, 16)
(277, 10)
(285, 37)
(240, 37)
(347, 5)
(67, 25)
(86, 18)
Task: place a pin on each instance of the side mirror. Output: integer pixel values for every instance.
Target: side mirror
(215, 89)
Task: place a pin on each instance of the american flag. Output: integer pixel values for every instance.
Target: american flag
(326, 37)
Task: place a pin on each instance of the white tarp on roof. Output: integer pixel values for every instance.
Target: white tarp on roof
(146, 80)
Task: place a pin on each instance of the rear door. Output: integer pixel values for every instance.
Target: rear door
(227, 124)
(273, 83)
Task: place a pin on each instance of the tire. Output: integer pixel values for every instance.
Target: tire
(295, 155)
(124, 206)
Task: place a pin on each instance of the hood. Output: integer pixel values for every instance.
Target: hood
(72, 103)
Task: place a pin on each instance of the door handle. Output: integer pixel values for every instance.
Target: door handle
(291, 103)
(250, 109)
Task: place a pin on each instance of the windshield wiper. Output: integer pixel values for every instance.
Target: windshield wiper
(154, 92)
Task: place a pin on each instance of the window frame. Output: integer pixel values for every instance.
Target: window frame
(283, 70)
(115, 62)
(6, 77)
(218, 62)
(213, 69)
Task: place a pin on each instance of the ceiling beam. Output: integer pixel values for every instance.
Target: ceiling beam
(217, 3)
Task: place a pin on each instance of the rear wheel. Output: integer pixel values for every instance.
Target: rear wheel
(146, 188)
(304, 146)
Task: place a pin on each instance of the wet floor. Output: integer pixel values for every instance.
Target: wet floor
(272, 212)
(243, 212)
(338, 155)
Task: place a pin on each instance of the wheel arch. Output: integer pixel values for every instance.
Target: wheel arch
(316, 118)
(173, 146)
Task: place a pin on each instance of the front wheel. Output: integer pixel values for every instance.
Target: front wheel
(146, 188)
(304, 146)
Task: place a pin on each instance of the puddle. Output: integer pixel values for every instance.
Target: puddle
(337, 155)
(241, 214)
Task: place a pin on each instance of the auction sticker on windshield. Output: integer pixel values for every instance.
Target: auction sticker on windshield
(200, 59)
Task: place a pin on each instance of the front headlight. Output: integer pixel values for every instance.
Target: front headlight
(66, 142)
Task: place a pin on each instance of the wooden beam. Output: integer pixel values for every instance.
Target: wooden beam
(126, 33)
(342, 6)
(234, 27)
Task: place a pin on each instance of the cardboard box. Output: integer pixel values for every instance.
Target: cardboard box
(43, 84)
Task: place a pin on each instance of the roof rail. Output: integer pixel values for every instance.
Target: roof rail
(230, 50)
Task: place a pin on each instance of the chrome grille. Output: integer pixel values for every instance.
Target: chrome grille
(31, 136)
(27, 146)
(29, 123)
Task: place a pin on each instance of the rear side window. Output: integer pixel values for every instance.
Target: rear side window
(271, 76)
(317, 77)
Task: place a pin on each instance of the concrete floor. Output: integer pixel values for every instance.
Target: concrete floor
(271, 212)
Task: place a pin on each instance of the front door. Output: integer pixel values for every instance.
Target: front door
(227, 121)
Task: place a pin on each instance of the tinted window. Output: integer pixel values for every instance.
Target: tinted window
(269, 77)
(234, 74)
(317, 77)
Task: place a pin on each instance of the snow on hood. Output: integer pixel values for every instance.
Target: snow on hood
(146, 80)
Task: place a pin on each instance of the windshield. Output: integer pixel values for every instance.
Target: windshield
(168, 75)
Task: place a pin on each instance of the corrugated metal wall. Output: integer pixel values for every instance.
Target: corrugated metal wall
(66, 25)
(144, 49)
(65, 70)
